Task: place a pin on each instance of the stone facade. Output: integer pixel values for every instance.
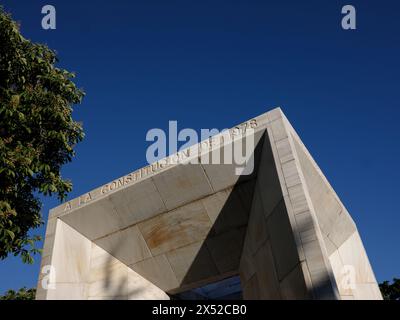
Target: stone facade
(173, 227)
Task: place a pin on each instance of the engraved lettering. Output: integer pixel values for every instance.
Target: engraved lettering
(128, 178)
(105, 189)
(253, 123)
(85, 198)
(120, 182)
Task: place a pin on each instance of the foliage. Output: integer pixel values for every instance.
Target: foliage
(37, 135)
(21, 294)
(390, 291)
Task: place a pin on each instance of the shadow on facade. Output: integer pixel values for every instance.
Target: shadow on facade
(214, 272)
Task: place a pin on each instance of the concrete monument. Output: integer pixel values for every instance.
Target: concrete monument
(200, 231)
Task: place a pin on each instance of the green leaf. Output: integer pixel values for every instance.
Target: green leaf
(10, 233)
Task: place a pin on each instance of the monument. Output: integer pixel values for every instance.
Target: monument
(200, 231)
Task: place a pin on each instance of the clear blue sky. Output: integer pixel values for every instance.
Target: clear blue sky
(216, 63)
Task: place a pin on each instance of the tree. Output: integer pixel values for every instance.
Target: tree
(37, 135)
(390, 291)
(21, 294)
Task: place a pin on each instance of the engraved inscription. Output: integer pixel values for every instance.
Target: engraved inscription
(67, 206)
(85, 198)
(179, 157)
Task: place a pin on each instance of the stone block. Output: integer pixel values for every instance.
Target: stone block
(323, 282)
(183, 184)
(298, 199)
(293, 286)
(176, 228)
(291, 173)
(127, 245)
(352, 254)
(275, 114)
(250, 289)
(158, 271)
(138, 202)
(94, 220)
(110, 282)
(247, 265)
(283, 244)
(67, 291)
(367, 291)
(227, 173)
(51, 227)
(71, 255)
(268, 179)
(141, 289)
(285, 151)
(279, 130)
(245, 192)
(226, 249)
(192, 263)
(257, 232)
(268, 282)
(48, 245)
(225, 210)
(342, 229)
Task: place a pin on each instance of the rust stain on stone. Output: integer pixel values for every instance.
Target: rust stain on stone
(176, 228)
